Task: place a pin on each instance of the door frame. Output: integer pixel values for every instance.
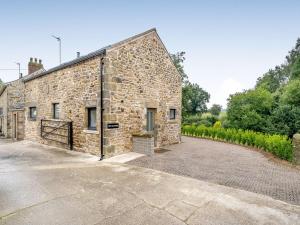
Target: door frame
(154, 131)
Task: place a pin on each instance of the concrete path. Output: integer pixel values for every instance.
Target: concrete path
(37, 189)
(229, 165)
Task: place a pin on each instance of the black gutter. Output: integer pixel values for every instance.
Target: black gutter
(101, 108)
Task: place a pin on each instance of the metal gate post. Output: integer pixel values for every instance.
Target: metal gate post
(70, 134)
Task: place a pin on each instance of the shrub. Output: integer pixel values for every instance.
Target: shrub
(217, 124)
(279, 145)
(205, 119)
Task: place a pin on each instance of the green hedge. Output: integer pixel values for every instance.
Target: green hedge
(279, 145)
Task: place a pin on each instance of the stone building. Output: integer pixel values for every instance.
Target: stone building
(123, 97)
(12, 98)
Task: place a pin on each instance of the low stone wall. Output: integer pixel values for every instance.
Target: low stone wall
(143, 144)
(296, 143)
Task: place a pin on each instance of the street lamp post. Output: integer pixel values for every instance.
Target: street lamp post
(59, 46)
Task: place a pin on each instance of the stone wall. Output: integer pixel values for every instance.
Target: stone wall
(15, 99)
(12, 100)
(139, 74)
(3, 117)
(75, 88)
(143, 144)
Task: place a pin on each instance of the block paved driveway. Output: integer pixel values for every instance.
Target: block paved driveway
(229, 165)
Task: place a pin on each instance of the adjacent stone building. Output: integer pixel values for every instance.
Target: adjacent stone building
(12, 99)
(104, 101)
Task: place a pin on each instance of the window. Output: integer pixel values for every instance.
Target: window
(150, 120)
(1, 111)
(56, 111)
(172, 114)
(92, 118)
(32, 112)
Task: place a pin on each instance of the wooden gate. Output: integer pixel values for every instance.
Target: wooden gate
(58, 131)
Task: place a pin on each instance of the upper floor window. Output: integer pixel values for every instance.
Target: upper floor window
(172, 114)
(56, 110)
(32, 112)
(92, 124)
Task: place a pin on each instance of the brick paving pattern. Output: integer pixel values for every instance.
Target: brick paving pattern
(228, 165)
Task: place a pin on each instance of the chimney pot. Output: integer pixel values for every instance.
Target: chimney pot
(78, 54)
(34, 66)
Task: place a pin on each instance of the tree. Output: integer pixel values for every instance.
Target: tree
(215, 109)
(274, 105)
(194, 99)
(178, 60)
(295, 69)
(273, 79)
(291, 93)
(249, 109)
(284, 119)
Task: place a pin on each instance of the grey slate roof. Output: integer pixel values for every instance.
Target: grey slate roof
(34, 74)
(2, 88)
(99, 52)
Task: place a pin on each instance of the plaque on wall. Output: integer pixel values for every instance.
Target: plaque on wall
(112, 125)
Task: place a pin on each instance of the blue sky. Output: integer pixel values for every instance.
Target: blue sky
(228, 44)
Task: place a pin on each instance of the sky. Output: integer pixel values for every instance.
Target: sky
(228, 44)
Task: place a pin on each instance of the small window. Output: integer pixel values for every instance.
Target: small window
(32, 112)
(172, 114)
(92, 118)
(56, 111)
(1, 111)
(150, 120)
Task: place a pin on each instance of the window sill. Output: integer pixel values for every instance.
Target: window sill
(32, 119)
(91, 131)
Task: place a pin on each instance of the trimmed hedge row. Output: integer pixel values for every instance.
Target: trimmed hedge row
(279, 145)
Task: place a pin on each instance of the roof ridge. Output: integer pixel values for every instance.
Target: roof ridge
(133, 37)
(87, 56)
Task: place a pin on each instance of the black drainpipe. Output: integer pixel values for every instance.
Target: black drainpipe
(101, 107)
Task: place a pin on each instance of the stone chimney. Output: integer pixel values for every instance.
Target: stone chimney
(34, 65)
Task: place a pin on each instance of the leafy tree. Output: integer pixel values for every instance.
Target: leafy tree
(276, 78)
(284, 119)
(178, 60)
(194, 99)
(294, 53)
(249, 109)
(273, 79)
(215, 109)
(295, 69)
(291, 93)
(274, 105)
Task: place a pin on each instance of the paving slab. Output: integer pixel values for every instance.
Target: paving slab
(123, 158)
